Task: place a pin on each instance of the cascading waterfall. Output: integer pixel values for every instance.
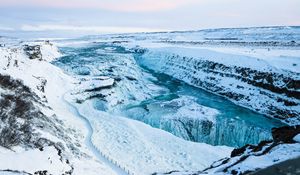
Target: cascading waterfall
(198, 123)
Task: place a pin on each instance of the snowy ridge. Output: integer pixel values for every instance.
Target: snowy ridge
(280, 35)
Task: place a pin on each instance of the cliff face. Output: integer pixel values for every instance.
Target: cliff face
(253, 84)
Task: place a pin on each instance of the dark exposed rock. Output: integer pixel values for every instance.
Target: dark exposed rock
(285, 134)
(20, 117)
(240, 151)
(14, 108)
(287, 167)
(33, 52)
(41, 172)
(131, 78)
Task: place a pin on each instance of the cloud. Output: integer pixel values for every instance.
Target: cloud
(4, 28)
(112, 5)
(93, 29)
(146, 5)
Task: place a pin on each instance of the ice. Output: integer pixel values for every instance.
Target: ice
(185, 118)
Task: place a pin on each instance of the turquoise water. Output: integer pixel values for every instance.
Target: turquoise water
(232, 125)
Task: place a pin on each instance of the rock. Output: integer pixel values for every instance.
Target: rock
(33, 52)
(131, 78)
(285, 134)
(242, 150)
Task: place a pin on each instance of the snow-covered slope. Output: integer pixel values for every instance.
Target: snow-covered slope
(47, 130)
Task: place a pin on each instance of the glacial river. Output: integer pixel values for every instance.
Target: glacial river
(161, 107)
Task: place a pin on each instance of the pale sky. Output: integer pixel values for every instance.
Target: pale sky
(111, 16)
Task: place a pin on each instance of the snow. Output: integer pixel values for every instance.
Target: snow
(49, 52)
(297, 138)
(284, 34)
(11, 173)
(285, 59)
(136, 146)
(96, 83)
(120, 145)
(278, 154)
(189, 109)
(33, 160)
(219, 57)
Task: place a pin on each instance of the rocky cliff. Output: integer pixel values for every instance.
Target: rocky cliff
(247, 81)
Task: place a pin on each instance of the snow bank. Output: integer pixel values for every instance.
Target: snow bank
(141, 149)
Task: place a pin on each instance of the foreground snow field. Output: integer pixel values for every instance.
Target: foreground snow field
(118, 104)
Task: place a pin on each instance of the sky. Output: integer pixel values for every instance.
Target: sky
(123, 16)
